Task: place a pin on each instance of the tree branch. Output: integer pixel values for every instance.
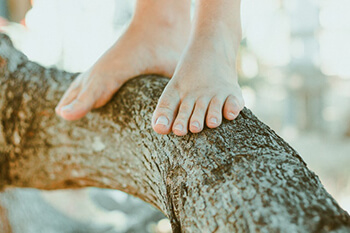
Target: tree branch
(241, 177)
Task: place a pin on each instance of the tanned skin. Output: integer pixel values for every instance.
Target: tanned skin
(198, 56)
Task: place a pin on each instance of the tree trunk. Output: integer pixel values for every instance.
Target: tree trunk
(240, 177)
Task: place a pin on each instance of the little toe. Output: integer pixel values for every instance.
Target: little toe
(165, 112)
(79, 107)
(214, 115)
(198, 115)
(180, 126)
(232, 107)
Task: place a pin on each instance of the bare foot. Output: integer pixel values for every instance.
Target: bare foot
(152, 44)
(203, 89)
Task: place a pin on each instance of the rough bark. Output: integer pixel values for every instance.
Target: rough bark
(241, 177)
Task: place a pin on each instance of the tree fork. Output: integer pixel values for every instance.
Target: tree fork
(240, 177)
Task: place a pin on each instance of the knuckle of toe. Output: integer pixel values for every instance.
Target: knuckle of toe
(201, 109)
(216, 100)
(84, 96)
(164, 103)
(214, 112)
(201, 106)
(181, 117)
(233, 100)
(163, 110)
(186, 108)
(203, 100)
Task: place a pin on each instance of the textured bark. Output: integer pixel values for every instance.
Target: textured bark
(241, 177)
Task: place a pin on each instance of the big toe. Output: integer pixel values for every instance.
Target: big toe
(75, 110)
(164, 114)
(79, 107)
(70, 95)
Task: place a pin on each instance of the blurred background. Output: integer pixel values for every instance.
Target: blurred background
(294, 68)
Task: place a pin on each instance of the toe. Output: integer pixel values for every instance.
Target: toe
(214, 115)
(165, 112)
(232, 107)
(105, 95)
(80, 106)
(70, 95)
(198, 115)
(180, 126)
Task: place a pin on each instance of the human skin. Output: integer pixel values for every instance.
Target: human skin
(200, 61)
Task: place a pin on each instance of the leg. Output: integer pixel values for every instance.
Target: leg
(153, 43)
(204, 86)
(18, 9)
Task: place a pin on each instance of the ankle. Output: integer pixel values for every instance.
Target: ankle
(163, 14)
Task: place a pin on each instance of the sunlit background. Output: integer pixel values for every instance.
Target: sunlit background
(294, 66)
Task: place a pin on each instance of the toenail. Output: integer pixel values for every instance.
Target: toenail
(162, 120)
(214, 120)
(231, 114)
(179, 127)
(67, 108)
(196, 124)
